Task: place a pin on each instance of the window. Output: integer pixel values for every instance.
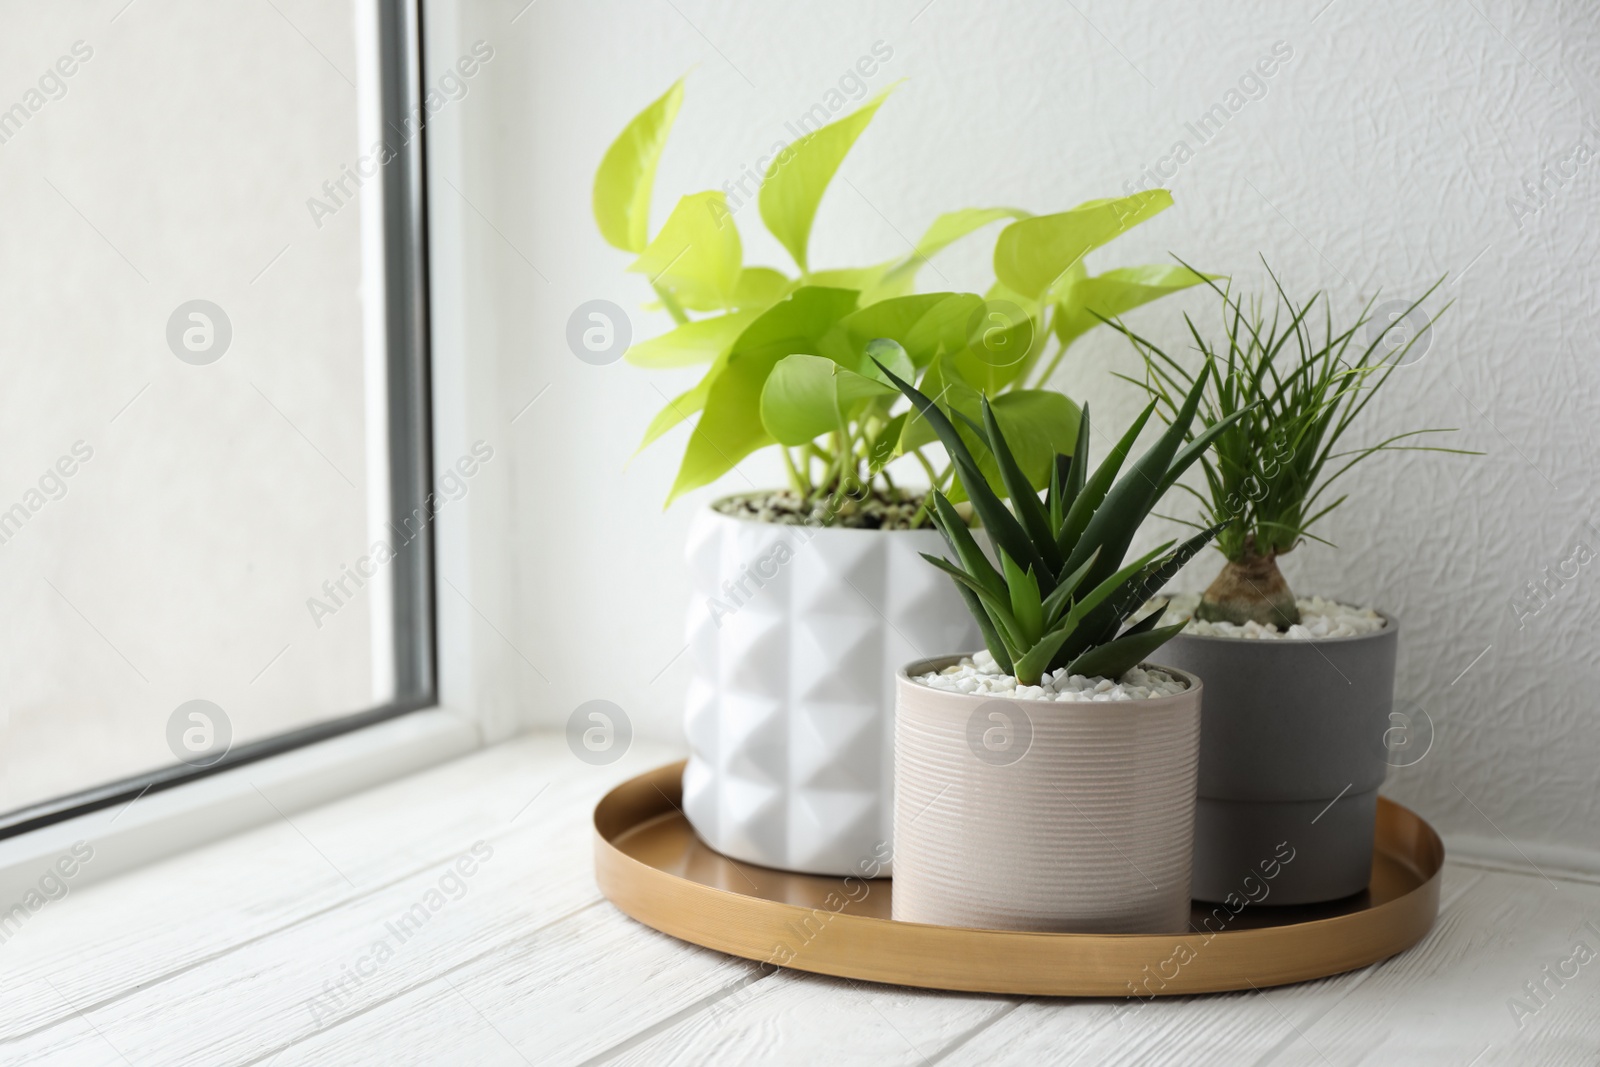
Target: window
(213, 450)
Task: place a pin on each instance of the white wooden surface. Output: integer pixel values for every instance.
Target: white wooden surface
(227, 955)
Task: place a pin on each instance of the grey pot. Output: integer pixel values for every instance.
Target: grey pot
(1291, 752)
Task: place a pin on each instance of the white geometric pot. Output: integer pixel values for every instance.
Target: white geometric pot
(1037, 815)
(796, 633)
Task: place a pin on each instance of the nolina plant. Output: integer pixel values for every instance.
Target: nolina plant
(1287, 392)
(1062, 594)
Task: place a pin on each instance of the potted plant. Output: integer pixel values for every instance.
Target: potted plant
(1298, 691)
(807, 595)
(1048, 783)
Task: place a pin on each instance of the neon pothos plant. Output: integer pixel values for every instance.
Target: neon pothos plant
(1286, 393)
(785, 353)
(1062, 593)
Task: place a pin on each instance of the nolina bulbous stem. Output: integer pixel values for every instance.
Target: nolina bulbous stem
(1250, 589)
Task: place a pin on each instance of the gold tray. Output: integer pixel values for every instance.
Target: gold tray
(650, 863)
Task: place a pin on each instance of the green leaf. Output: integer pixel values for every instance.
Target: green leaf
(761, 287)
(886, 352)
(696, 257)
(1116, 658)
(1024, 497)
(700, 341)
(627, 173)
(808, 396)
(1032, 253)
(1084, 301)
(944, 329)
(860, 278)
(1056, 604)
(965, 546)
(1038, 424)
(951, 392)
(987, 627)
(1031, 665)
(794, 183)
(1002, 342)
(1128, 503)
(884, 444)
(997, 607)
(678, 408)
(730, 426)
(1006, 532)
(1027, 607)
(944, 231)
(895, 319)
(1087, 499)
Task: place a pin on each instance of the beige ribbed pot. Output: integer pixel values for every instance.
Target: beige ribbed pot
(1046, 816)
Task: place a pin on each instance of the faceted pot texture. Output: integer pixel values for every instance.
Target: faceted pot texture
(1293, 752)
(1043, 815)
(795, 634)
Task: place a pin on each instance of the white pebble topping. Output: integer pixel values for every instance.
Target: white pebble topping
(1318, 618)
(980, 675)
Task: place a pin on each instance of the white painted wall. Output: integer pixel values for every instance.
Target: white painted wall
(1382, 154)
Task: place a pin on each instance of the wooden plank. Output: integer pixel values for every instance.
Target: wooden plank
(261, 897)
(1225, 1030)
(1455, 996)
(798, 1018)
(564, 995)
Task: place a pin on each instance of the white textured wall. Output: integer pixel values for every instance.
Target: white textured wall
(1380, 155)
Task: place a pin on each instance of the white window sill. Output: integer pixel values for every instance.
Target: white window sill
(160, 824)
(263, 948)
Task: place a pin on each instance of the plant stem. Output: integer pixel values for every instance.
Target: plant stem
(669, 302)
(1250, 589)
(798, 484)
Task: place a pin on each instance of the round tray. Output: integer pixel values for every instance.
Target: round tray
(650, 863)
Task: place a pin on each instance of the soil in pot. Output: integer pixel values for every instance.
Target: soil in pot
(875, 510)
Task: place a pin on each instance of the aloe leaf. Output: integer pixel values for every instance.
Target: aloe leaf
(997, 607)
(1068, 584)
(1031, 665)
(1024, 498)
(1087, 500)
(1079, 471)
(1115, 658)
(1003, 527)
(1145, 624)
(1128, 502)
(627, 173)
(965, 546)
(1026, 606)
(986, 626)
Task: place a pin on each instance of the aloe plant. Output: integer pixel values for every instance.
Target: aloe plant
(1062, 594)
(784, 352)
(1287, 393)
